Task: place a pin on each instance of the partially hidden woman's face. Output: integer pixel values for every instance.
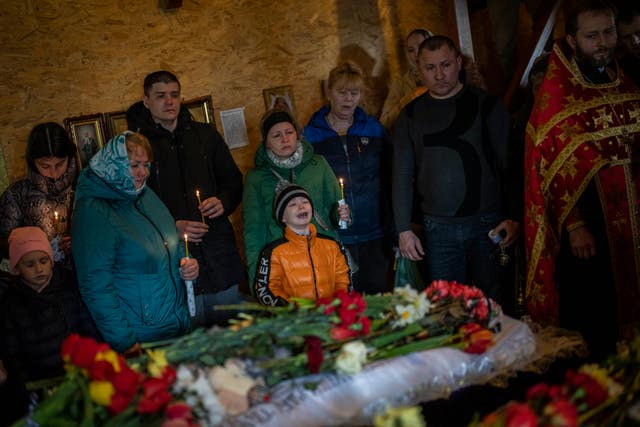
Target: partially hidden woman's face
(282, 140)
(413, 45)
(139, 163)
(344, 100)
(51, 167)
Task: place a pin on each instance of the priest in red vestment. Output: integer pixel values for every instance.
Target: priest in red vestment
(582, 176)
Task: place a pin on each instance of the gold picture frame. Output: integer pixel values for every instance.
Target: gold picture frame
(201, 109)
(116, 123)
(88, 133)
(280, 97)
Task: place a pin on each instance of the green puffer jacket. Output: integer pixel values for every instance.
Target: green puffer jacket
(127, 254)
(313, 174)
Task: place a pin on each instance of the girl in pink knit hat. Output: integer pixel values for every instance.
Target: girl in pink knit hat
(39, 309)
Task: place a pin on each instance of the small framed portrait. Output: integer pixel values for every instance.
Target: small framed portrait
(116, 123)
(201, 109)
(88, 133)
(279, 98)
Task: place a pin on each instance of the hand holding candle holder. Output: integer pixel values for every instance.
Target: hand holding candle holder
(342, 224)
(59, 225)
(191, 299)
(496, 238)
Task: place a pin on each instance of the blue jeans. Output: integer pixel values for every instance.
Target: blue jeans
(460, 250)
(207, 316)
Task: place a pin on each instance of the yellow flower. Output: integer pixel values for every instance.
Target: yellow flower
(111, 357)
(101, 392)
(157, 363)
(236, 324)
(400, 417)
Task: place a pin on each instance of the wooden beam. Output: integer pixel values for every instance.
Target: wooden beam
(463, 23)
(541, 34)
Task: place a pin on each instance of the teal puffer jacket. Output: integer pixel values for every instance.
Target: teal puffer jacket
(127, 254)
(313, 174)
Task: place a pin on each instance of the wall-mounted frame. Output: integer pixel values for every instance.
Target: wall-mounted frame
(201, 109)
(279, 98)
(116, 123)
(88, 133)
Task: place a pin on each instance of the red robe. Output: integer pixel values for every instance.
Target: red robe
(578, 132)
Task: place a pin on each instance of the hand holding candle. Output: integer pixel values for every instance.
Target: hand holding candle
(191, 299)
(199, 203)
(342, 223)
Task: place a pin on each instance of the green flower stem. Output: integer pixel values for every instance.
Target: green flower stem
(88, 419)
(584, 418)
(392, 337)
(426, 344)
(55, 405)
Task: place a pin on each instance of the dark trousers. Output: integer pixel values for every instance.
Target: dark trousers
(375, 261)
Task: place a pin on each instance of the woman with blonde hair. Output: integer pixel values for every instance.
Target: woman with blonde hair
(358, 150)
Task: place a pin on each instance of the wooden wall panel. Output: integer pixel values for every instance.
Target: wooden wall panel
(63, 58)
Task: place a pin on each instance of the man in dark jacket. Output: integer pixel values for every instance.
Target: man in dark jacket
(194, 174)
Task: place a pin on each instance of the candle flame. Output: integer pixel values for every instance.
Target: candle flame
(341, 181)
(55, 215)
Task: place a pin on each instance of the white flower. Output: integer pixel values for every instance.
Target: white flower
(351, 358)
(406, 292)
(405, 314)
(423, 305)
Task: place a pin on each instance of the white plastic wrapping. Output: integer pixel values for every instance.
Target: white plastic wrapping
(418, 377)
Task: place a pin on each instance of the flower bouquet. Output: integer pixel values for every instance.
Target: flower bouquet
(100, 388)
(594, 395)
(311, 336)
(224, 371)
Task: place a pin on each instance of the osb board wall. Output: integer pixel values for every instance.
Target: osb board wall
(63, 58)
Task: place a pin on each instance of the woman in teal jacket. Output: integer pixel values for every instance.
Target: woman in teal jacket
(127, 251)
(281, 159)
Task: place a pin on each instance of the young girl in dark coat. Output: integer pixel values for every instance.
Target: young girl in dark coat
(41, 306)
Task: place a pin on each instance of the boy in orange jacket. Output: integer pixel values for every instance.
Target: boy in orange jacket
(303, 263)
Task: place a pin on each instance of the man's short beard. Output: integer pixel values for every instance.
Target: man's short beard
(584, 58)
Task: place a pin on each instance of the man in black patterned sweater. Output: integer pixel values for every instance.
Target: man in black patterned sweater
(452, 142)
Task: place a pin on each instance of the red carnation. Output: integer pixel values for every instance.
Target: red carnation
(347, 316)
(314, 353)
(538, 391)
(366, 325)
(341, 333)
(520, 415)
(126, 381)
(179, 410)
(562, 412)
(168, 375)
(68, 346)
(594, 392)
(119, 402)
(84, 352)
(154, 396)
(101, 370)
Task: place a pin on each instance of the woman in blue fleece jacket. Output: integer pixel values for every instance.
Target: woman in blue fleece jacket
(358, 150)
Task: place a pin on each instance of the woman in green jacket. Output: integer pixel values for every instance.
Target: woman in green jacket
(129, 258)
(282, 159)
